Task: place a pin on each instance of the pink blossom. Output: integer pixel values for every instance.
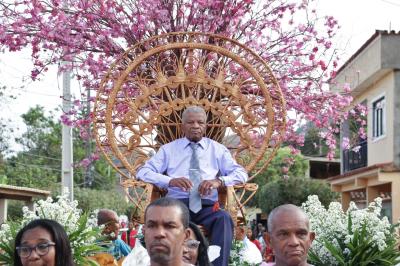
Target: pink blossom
(85, 163)
(91, 35)
(322, 64)
(285, 170)
(346, 87)
(345, 143)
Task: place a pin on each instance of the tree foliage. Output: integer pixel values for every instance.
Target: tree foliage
(89, 35)
(294, 190)
(285, 164)
(38, 165)
(5, 131)
(314, 144)
(90, 199)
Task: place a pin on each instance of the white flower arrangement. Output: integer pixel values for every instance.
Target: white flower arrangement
(81, 228)
(238, 257)
(351, 237)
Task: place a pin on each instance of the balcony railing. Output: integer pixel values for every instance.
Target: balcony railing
(353, 158)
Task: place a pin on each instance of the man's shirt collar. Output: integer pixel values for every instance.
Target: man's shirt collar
(202, 142)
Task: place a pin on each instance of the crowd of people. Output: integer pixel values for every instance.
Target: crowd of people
(170, 239)
(179, 227)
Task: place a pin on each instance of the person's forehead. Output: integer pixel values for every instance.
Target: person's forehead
(292, 220)
(164, 214)
(36, 233)
(195, 116)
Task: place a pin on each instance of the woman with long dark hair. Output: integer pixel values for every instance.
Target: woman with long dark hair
(42, 242)
(196, 247)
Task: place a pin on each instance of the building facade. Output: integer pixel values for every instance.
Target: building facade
(371, 167)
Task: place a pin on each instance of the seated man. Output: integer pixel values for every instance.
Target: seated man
(116, 246)
(289, 235)
(192, 169)
(165, 230)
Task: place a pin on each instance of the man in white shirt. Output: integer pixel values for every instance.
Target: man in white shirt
(250, 253)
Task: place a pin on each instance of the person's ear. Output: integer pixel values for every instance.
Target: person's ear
(312, 236)
(268, 237)
(143, 229)
(187, 233)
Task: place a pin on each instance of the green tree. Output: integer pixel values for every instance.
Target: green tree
(91, 199)
(284, 164)
(294, 190)
(5, 131)
(314, 144)
(38, 165)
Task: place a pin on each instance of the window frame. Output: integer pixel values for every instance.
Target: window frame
(382, 116)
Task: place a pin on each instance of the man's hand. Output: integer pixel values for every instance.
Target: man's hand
(181, 182)
(206, 187)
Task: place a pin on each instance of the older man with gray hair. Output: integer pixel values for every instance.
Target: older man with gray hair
(192, 169)
(289, 235)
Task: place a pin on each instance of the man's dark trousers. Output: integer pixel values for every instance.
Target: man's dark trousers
(219, 225)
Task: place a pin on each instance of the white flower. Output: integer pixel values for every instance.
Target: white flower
(332, 225)
(62, 210)
(346, 251)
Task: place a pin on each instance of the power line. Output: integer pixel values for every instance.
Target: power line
(34, 92)
(37, 166)
(40, 156)
(12, 73)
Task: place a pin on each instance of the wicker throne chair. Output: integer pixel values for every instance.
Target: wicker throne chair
(140, 101)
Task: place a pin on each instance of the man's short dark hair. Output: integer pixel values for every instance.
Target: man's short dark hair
(171, 202)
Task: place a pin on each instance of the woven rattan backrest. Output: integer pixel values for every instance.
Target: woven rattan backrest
(141, 99)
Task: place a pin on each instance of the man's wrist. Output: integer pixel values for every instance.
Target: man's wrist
(221, 182)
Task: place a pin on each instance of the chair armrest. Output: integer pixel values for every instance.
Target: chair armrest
(233, 199)
(141, 194)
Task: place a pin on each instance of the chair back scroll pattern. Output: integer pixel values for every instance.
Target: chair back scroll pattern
(140, 101)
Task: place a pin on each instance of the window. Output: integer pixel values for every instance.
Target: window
(378, 117)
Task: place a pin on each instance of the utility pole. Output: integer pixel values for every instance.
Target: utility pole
(67, 178)
(89, 168)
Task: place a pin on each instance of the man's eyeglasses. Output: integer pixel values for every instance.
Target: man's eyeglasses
(192, 244)
(41, 249)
